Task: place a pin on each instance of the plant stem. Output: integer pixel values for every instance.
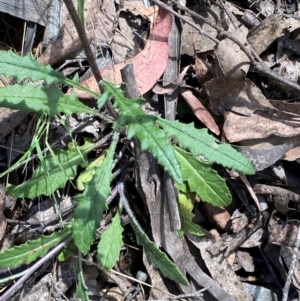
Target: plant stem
(87, 49)
(84, 39)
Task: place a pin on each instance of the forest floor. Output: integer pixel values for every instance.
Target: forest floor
(184, 184)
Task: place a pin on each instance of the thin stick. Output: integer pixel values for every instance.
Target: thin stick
(195, 295)
(87, 49)
(168, 8)
(292, 267)
(19, 283)
(84, 39)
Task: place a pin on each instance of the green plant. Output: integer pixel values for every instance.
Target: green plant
(179, 159)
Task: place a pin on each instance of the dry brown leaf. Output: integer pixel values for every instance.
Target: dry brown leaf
(231, 61)
(254, 240)
(282, 233)
(113, 294)
(286, 107)
(245, 260)
(248, 114)
(148, 65)
(219, 216)
(200, 111)
(99, 18)
(220, 270)
(262, 36)
(9, 119)
(202, 67)
(191, 40)
(158, 89)
(262, 155)
(292, 154)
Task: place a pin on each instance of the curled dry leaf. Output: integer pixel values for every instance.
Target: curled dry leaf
(148, 65)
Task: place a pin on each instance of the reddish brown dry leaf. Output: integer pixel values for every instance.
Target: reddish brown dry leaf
(3, 220)
(148, 65)
(200, 111)
(292, 154)
(218, 216)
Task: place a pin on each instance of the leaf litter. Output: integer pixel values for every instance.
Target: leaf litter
(258, 115)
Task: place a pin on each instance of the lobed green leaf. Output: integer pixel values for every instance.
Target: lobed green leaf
(26, 67)
(92, 202)
(159, 259)
(31, 250)
(203, 180)
(61, 168)
(199, 142)
(142, 126)
(12, 65)
(41, 99)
